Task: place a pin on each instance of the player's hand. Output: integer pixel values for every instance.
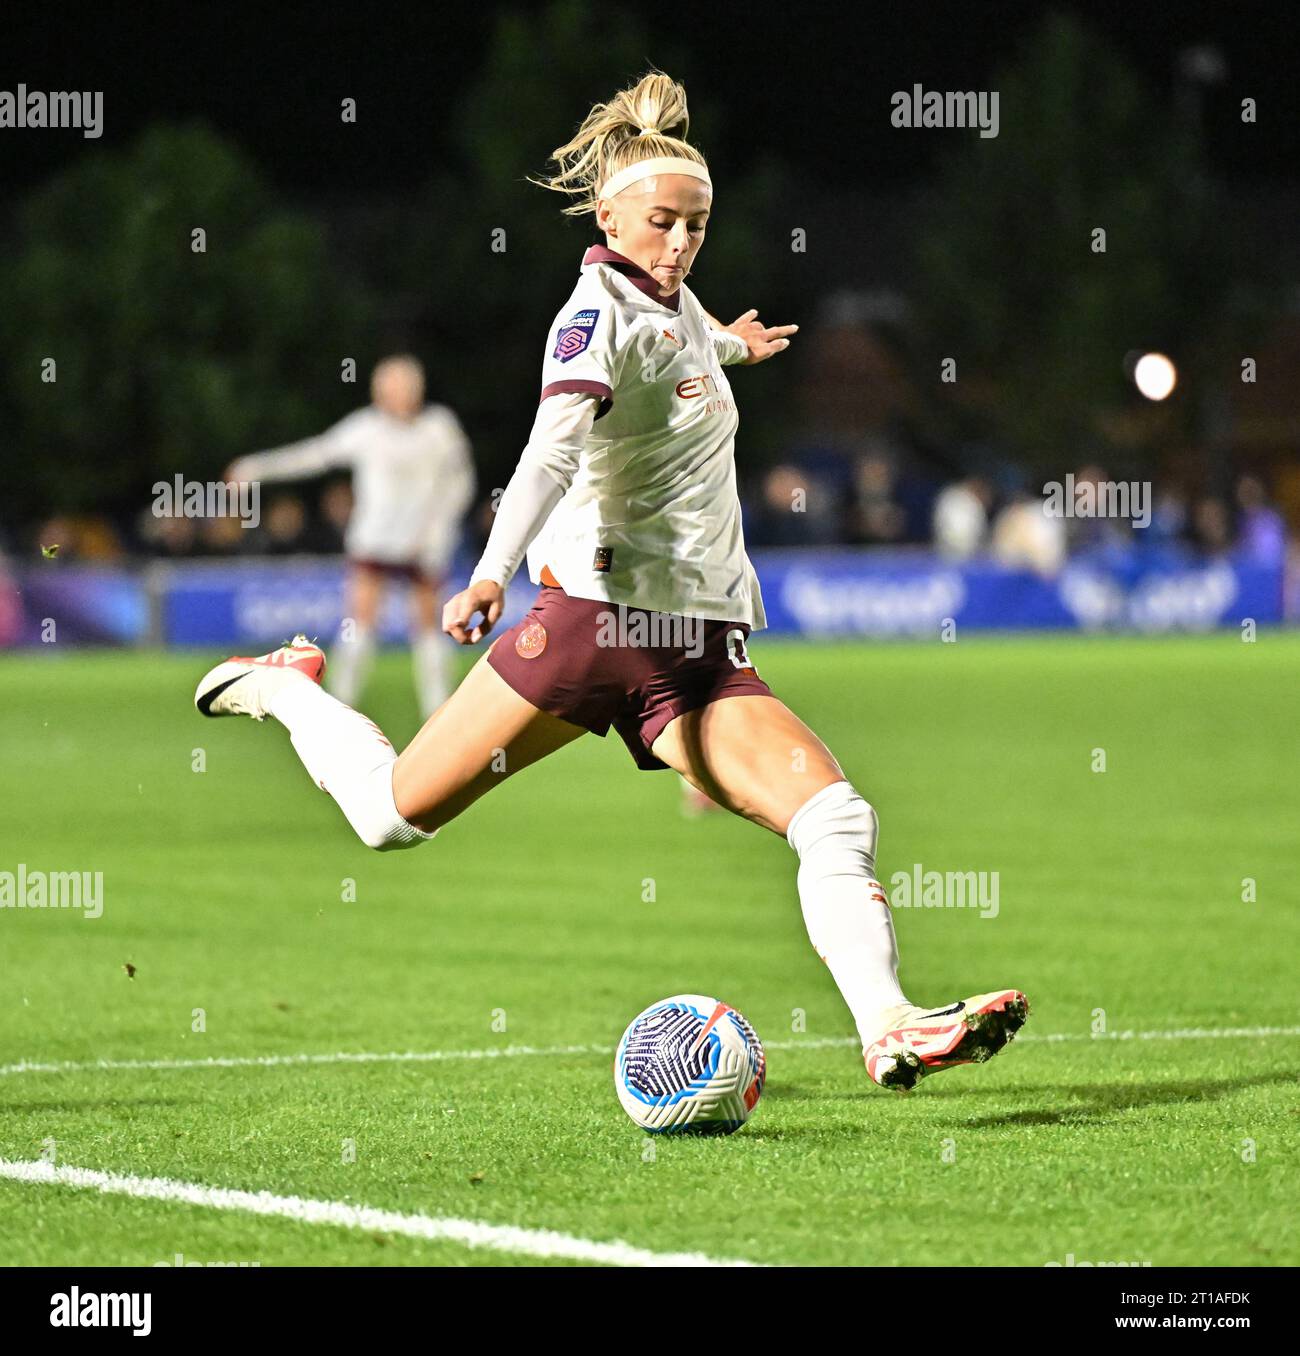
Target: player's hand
(484, 596)
(763, 340)
(235, 472)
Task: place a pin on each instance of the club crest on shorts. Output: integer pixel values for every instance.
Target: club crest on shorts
(574, 335)
(531, 641)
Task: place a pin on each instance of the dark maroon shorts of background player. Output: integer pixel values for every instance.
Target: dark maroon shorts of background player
(393, 569)
(637, 689)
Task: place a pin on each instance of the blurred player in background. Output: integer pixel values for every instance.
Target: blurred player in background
(412, 482)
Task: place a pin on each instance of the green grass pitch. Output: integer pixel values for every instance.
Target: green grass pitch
(1120, 900)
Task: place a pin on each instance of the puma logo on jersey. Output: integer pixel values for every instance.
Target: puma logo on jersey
(668, 334)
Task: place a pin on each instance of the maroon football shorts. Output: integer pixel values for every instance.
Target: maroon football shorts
(598, 664)
(410, 570)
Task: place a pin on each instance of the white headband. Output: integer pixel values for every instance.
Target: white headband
(643, 169)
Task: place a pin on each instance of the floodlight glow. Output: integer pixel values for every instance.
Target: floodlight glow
(1155, 376)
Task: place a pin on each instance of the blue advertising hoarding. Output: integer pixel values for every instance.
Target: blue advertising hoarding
(813, 593)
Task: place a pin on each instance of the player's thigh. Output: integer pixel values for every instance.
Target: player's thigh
(751, 754)
(482, 734)
(365, 591)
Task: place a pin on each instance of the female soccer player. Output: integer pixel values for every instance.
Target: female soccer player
(625, 500)
(412, 480)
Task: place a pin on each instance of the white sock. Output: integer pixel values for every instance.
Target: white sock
(844, 908)
(429, 659)
(348, 756)
(350, 662)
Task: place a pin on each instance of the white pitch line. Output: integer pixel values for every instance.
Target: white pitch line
(438, 1228)
(517, 1051)
(329, 1057)
(1186, 1033)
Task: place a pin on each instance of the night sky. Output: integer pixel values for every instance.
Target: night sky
(271, 76)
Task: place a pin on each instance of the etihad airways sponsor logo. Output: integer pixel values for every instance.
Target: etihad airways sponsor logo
(694, 388)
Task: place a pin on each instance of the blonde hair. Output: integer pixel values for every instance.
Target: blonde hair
(611, 138)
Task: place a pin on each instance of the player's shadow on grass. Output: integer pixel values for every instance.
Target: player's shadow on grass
(1100, 1102)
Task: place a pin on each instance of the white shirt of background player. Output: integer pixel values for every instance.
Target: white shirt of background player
(412, 481)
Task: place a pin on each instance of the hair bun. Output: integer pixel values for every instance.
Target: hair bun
(653, 106)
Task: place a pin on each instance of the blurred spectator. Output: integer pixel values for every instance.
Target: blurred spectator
(858, 428)
(877, 515)
(961, 518)
(335, 508)
(1212, 524)
(81, 537)
(225, 535)
(1097, 532)
(176, 536)
(795, 508)
(1024, 535)
(58, 533)
(1261, 530)
(1168, 515)
(284, 523)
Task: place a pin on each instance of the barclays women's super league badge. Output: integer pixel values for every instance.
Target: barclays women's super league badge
(575, 335)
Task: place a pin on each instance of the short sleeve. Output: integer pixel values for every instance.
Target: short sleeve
(581, 356)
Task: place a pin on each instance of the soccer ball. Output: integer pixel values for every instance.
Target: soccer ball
(689, 1066)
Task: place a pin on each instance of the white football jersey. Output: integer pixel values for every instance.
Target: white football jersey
(412, 481)
(652, 516)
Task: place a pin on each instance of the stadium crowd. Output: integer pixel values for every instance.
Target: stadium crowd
(867, 466)
(827, 499)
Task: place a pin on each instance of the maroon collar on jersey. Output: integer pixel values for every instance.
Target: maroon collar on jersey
(635, 274)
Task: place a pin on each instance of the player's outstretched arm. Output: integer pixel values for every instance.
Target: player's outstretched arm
(336, 447)
(545, 471)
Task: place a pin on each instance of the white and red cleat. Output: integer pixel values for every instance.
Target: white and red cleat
(918, 1041)
(245, 687)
